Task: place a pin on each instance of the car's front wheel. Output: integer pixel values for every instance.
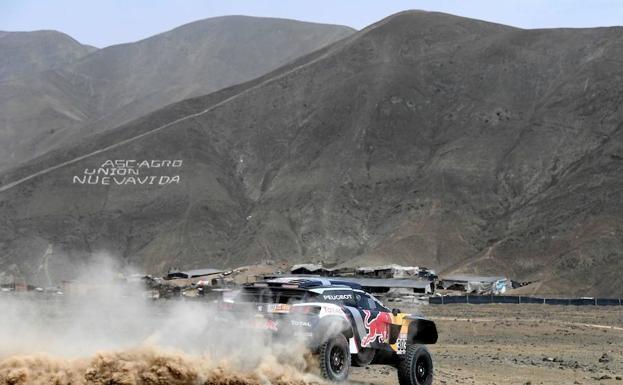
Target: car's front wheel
(416, 366)
(334, 358)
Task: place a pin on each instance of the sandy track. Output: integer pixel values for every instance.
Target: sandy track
(520, 344)
(527, 320)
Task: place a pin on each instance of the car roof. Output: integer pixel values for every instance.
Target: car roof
(306, 283)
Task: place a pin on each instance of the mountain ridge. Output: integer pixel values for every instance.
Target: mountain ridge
(46, 49)
(475, 148)
(119, 83)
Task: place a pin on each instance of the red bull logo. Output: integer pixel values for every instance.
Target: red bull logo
(266, 324)
(271, 325)
(378, 327)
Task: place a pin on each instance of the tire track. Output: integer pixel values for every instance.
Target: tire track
(569, 323)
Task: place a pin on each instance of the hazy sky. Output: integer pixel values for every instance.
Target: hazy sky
(105, 22)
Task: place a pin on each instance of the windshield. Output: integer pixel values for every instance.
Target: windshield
(270, 295)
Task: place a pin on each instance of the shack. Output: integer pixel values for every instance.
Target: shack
(309, 269)
(318, 269)
(396, 271)
(188, 274)
(476, 284)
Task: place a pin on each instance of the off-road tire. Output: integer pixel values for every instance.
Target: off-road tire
(334, 359)
(363, 358)
(416, 366)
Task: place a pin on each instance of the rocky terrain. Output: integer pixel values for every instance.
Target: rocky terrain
(424, 139)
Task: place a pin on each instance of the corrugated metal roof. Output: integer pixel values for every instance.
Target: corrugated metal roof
(472, 278)
(200, 272)
(388, 267)
(306, 266)
(196, 272)
(312, 267)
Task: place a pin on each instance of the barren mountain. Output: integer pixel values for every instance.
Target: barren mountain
(425, 139)
(34, 104)
(26, 53)
(89, 94)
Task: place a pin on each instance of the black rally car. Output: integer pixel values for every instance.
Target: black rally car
(341, 323)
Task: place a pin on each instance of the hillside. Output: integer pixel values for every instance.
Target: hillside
(26, 53)
(425, 139)
(51, 106)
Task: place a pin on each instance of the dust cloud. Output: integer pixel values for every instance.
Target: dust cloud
(113, 336)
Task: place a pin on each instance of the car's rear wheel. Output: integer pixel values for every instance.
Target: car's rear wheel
(363, 358)
(416, 366)
(334, 358)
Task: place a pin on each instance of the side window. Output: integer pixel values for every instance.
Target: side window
(371, 303)
(364, 301)
(359, 299)
(379, 305)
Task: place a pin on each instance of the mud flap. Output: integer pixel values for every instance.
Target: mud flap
(422, 331)
(352, 345)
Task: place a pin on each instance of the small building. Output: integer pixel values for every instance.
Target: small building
(476, 284)
(188, 274)
(306, 269)
(312, 269)
(395, 271)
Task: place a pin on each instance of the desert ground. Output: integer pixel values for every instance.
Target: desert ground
(478, 344)
(520, 344)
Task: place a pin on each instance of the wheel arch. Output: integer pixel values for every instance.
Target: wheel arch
(422, 331)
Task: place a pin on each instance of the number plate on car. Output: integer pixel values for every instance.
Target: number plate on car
(401, 344)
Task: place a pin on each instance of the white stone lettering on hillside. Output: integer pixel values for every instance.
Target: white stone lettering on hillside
(123, 172)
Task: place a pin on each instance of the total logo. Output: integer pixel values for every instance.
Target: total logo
(300, 323)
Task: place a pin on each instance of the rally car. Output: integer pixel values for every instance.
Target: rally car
(342, 323)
